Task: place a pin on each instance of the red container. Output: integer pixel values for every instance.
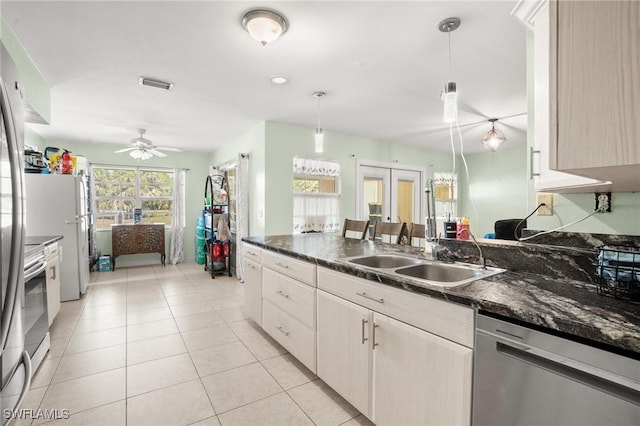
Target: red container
(218, 250)
(226, 249)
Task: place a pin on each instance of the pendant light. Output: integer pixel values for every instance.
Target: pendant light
(319, 136)
(494, 139)
(264, 25)
(450, 96)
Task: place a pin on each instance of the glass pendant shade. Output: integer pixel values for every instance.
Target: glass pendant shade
(493, 140)
(319, 140)
(450, 98)
(264, 26)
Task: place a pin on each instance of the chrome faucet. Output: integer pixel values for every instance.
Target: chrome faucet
(481, 260)
(431, 232)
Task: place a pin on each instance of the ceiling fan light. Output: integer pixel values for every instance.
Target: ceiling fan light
(265, 26)
(140, 154)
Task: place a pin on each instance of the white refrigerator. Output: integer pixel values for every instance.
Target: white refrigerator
(57, 205)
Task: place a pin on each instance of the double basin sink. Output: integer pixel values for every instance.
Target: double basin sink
(428, 271)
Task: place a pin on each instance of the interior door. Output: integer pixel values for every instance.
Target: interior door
(390, 195)
(406, 199)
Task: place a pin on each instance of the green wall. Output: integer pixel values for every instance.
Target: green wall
(196, 162)
(251, 143)
(499, 188)
(272, 147)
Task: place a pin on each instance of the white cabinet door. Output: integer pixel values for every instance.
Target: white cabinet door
(546, 179)
(253, 289)
(344, 349)
(418, 378)
(53, 287)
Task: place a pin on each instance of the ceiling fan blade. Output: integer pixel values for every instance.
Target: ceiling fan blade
(133, 148)
(167, 148)
(511, 116)
(156, 152)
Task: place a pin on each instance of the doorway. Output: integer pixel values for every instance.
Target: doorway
(389, 193)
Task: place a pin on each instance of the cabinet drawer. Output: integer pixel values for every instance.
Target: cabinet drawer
(298, 269)
(291, 334)
(294, 298)
(448, 320)
(252, 252)
(51, 251)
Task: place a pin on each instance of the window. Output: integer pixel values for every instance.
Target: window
(119, 190)
(316, 196)
(445, 188)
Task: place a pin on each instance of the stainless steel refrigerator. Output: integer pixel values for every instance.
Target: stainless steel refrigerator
(16, 364)
(57, 205)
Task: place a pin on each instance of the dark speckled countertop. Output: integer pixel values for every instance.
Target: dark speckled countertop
(568, 307)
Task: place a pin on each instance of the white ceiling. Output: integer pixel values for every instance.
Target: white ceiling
(382, 65)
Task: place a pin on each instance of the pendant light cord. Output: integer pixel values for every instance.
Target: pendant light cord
(449, 34)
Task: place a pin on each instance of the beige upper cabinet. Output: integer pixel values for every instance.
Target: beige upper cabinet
(594, 67)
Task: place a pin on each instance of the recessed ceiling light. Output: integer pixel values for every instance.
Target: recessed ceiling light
(279, 79)
(145, 81)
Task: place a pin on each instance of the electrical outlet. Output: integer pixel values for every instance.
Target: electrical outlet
(547, 200)
(603, 202)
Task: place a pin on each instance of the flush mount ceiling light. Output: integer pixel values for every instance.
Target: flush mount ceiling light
(146, 81)
(494, 139)
(319, 132)
(279, 79)
(450, 96)
(264, 25)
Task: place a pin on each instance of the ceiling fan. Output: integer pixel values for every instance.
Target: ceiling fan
(143, 149)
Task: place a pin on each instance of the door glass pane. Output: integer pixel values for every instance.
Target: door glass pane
(405, 201)
(372, 194)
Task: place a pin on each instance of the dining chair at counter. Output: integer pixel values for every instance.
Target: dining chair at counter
(358, 227)
(393, 230)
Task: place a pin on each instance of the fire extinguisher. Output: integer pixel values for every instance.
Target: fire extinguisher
(67, 164)
(217, 250)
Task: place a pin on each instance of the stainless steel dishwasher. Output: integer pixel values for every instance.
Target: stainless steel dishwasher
(527, 377)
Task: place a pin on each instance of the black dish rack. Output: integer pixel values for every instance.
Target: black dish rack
(618, 272)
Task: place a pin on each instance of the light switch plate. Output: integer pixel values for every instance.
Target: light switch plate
(547, 209)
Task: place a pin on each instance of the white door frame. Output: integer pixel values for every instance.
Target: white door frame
(390, 166)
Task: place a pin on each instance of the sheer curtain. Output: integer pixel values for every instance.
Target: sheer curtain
(178, 222)
(316, 211)
(242, 209)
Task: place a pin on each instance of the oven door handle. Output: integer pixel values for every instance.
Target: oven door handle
(35, 271)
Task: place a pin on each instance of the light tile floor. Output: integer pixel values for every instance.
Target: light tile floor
(170, 346)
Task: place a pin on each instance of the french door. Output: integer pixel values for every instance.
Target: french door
(390, 194)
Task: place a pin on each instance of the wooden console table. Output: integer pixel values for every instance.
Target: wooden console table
(136, 239)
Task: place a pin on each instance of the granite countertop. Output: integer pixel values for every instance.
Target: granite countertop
(566, 306)
(46, 240)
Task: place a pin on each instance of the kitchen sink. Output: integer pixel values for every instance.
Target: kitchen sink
(448, 275)
(425, 271)
(385, 261)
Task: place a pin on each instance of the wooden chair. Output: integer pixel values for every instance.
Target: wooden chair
(416, 230)
(393, 230)
(359, 226)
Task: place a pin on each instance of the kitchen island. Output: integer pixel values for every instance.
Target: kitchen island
(570, 308)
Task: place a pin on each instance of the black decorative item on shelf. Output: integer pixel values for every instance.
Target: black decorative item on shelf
(618, 272)
(217, 246)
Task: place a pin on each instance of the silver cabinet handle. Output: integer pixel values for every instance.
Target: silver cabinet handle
(374, 335)
(251, 266)
(531, 152)
(375, 299)
(281, 265)
(282, 330)
(281, 293)
(364, 339)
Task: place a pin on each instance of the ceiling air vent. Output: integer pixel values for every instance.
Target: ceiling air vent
(145, 81)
